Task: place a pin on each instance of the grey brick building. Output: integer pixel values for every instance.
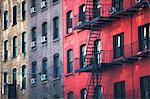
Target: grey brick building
(45, 49)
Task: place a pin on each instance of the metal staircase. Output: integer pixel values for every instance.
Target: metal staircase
(94, 35)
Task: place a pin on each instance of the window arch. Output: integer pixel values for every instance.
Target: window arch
(70, 95)
(83, 93)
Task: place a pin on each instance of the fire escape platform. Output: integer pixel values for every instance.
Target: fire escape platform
(103, 66)
(101, 21)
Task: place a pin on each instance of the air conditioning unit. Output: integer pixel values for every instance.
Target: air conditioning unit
(44, 39)
(138, 1)
(33, 81)
(56, 78)
(43, 77)
(43, 4)
(33, 44)
(79, 23)
(69, 30)
(33, 10)
(113, 10)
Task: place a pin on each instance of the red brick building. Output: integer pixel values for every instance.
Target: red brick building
(106, 49)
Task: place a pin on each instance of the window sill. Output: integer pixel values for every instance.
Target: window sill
(33, 49)
(44, 82)
(56, 40)
(14, 24)
(69, 34)
(43, 9)
(119, 58)
(44, 44)
(69, 74)
(14, 57)
(55, 3)
(33, 14)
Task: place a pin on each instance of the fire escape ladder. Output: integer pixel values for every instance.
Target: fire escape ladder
(94, 83)
(94, 35)
(89, 9)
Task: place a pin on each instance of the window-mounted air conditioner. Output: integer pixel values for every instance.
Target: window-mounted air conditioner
(43, 4)
(43, 39)
(33, 81)
(33, 10)
(79, 23)
(69, 30)
(138, 1)
(33, 44)
(43, 77)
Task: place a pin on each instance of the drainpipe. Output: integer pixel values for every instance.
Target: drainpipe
(132, 54)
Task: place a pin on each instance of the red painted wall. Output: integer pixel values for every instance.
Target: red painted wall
(130, 73)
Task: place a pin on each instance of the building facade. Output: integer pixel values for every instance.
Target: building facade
(106, 49)
(14, 50)
(45, 49)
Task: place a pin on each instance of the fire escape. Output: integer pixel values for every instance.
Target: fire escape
(98, 15)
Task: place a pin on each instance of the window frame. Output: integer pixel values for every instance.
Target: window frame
(23, 77)
(44, 29)
(56, 65)
(14, 17)
(118, 4)
(83, 55)
(69, 17)
(82, 13)
(69, 61)
(24, 42)
(55, 28)
(23, 13)
(34, 69)
(120, 93)
(44, 66)
(144, 42)
(14, 46)
(70, 95)
(5, 20)
(118, 47)
(5, 50)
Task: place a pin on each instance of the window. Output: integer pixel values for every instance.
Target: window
(56, 65)
(14, 46)
(69, 61)
(14, 15)
(5, 83)
(69, 21)
(119, 90)
(33, 3)
(24, 77)
(98, 92)
(55, 1)
(34, 69)
(118, 44)
(33, 35)
(44, 66)
(5, 20)
(144, 37)
(55, 27)
(82, 55)
(97, 51)
(83, 94)
(44, 29)
(82, 14)
(24, 42)
(23, 10)
(145, 87)
(96, 8)
(118, 5)
(14, 75)
(5, 50)
(70, 95)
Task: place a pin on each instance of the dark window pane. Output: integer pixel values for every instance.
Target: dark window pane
(56, 65)
(44, 29)
(23, 10)
(14, 15)
(70, 61)
(55, 27)
(69, 20)
(34, 70)
(15, 46)
(5, 20)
